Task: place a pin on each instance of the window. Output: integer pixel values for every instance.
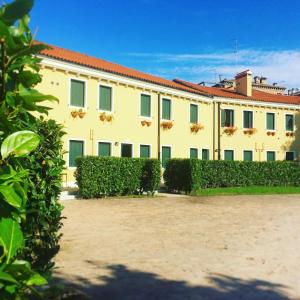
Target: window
(289, 122)
(270, 121)
(145, 151)
(75, 150)
(290, 155)
(248, 155)
(126, 150)
(105, 101)
(165, 155)
(104, 149)
(228, 155)
(145, 106)
(205, 154)
(77, 93)
(193, 153)
(227, 117)
(270, 155)
(248, 119)
(193, 113)
(166, 109)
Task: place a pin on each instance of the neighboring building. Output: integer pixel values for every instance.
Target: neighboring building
(258, 83)
(108, 109)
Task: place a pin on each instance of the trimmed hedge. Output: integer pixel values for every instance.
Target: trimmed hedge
(111, 176)
(191, 174)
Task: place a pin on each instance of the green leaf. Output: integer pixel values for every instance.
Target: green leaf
(19, 144)
(16, 10)
(10, 196)
(4, 33)
(32, 95)
(36, 279)
(7, 277)
(11, 237)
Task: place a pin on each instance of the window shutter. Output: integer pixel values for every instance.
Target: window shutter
(144, 151)
(289, 123)
(223, 117)
(193, 113)
(126, 150)
(270, 156)
(165, 155)
(248, 156)
(75, 150)
(248, 119)
(145, 106)
(193, 153)
(270, 121)
(104, 149)
(77, 93)
(166, 109)
(228, 155)
(205, 154)
(105, 98)
(231, 117)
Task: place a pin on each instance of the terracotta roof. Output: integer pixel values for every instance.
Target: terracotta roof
(230, 93)
(103, 65)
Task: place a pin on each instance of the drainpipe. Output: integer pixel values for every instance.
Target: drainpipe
(158, 126)
(219, 130)
(214, 131)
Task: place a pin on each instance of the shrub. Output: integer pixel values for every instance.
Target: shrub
(44, 220)
(191, 174)
(110, 176)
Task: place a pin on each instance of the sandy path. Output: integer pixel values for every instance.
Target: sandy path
(244, 247)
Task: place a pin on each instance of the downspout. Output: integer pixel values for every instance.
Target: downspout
(158, 127)
(214, 130)
(219, 131)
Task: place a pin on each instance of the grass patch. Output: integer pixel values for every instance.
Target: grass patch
(248, 190)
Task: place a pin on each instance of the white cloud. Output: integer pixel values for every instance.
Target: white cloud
(282, 66)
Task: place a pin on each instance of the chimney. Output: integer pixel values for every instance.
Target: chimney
(243, 83)
(263, 80)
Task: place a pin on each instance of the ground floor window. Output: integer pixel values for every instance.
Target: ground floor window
(289, 155)
(165, 155)
(228, 155)
(271, 156)
(205, 154)
(248, 155)
(145, 151)
(193, 153)
(76, 149)
(104, 149)
(126, 150)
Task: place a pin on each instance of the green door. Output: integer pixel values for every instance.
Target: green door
(165, 155)
(75, 150)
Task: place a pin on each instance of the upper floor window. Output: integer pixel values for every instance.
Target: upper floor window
(105, 101)
(248, 119)
(289, 122)
(166, 109)
(77, 93)
(227, 118)
(270, 121)
(145, 106)
(193, 113)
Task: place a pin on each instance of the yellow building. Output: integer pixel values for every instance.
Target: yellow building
(108, 109)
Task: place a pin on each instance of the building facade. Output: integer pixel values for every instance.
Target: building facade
(110, 110)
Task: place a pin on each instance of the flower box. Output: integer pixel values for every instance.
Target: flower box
(74, 113)
(271, 133)
(291, 134)
(105, 117)
(166, 124)
(81, 113)
(250, 131)
(195, 127)
(230, 130)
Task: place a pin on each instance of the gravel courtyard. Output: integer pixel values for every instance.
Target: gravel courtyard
(242, 247)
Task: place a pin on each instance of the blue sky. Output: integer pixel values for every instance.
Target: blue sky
(192, 40)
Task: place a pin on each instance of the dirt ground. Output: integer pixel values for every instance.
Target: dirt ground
(243, 247)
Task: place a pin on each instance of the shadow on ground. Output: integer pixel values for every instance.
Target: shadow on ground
(126, 284)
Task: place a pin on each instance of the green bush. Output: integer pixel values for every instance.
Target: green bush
(44, 220)
(110, 176)
(191, 174)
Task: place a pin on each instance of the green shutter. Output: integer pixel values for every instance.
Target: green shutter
(145, 106)
(230, 117)
(105, 98)
(193, 113)
(126, 150)
(205, 154)
(166, 109)
(289, 123)
(75, 150)
(77, 93)
(270, 155)
(165, 155)
(248, 156)
(270, 121)
(228, 155)
(144, 151)
(223, 117)
(104, 149)
(248, 119)
(193, 153)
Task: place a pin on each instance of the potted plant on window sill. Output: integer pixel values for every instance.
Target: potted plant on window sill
(230, 130)
(105, 117)
(146, 123)
(81, 113)
(74, 113)
(290, 133)
(167, 124)
(271, 133)
(195, 127)
(250, 131)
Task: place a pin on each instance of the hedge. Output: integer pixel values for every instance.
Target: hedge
(191, 174)
(111, 176)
